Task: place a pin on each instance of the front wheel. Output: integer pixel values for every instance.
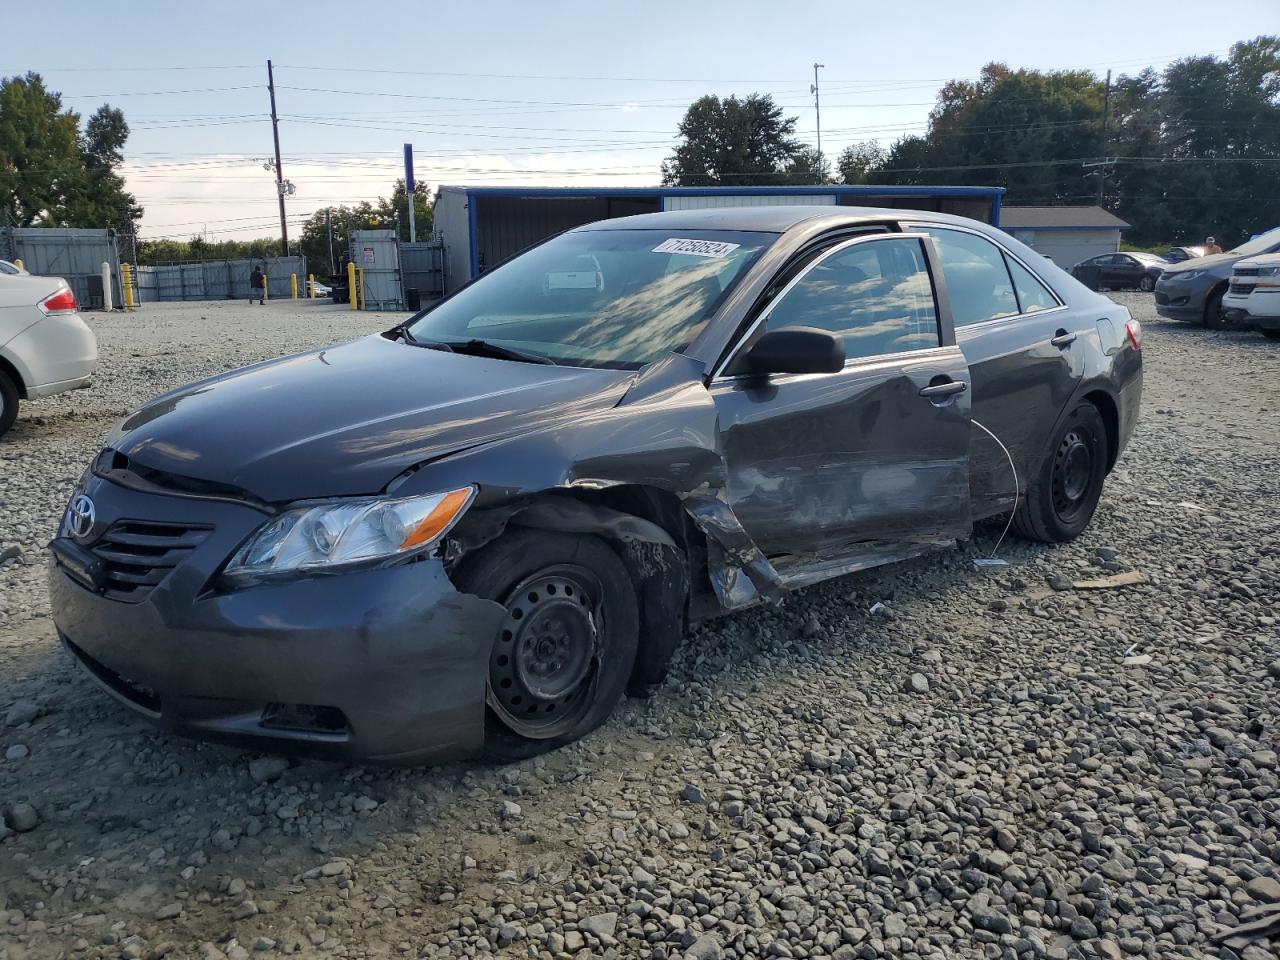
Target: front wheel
(1146, 284)
(1063, 495)
(1213, 318)
(562, 656)
(8, 403)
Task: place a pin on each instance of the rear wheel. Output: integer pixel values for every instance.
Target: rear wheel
(8, 402)
(1064, 493)
(1213, 318)
(562, 656)
(1146, 284)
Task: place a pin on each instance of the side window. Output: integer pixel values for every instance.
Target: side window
(977, 281)
(877, 295)
(1032, 294)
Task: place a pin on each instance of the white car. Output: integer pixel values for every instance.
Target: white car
(1254, 294)
(45, 347)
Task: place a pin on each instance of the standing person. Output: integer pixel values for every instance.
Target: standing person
(1211, 247)
(257, 283)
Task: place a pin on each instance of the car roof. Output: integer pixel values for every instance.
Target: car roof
(769, 219)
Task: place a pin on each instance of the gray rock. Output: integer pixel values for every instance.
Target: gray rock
(689, 793)
(510, 810)
(706, 947)
(23, 817)
(601, 925)
(170, 911)
(18, 751)
(23, 711)
(917, 683)
(266, 769)
(1264, 888)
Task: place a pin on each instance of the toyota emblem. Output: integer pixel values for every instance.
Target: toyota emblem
(81, 516)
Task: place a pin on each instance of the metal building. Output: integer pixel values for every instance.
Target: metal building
(72, 253)
(481, 226)
(1066, 235)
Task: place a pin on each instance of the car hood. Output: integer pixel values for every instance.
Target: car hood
(1204, 263)
(348, 419)
(1260, 260)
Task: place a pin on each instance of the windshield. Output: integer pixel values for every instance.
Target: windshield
(1263, 243)
(599, 298)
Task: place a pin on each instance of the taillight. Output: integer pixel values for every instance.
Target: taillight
(64, 301)
(1133, 329)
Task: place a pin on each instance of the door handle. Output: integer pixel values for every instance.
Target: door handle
(1063, 339)
(940, 391)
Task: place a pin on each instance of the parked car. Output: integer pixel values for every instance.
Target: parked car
(470, 533)
(1193, 290)
(45, 347)
(1178, 254)
(1254, 294)
(1120, 271)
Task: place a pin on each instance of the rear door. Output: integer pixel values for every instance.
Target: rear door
(877, 451)
(1020, 342)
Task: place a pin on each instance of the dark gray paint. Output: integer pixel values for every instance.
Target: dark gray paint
(828, 472)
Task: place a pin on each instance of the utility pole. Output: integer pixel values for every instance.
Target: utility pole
(328, 229)
(1106, 112)
(817, 106)
(275, 133)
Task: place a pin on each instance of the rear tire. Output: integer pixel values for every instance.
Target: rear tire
(8, 402)
(1146, 284)
(1213, 319)
(1063, 495)
(562, 657)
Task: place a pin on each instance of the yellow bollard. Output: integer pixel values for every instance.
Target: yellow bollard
(266, 287)
(293, 286)
(363, 300)
(19, 264)
(311, 285)
(351, 285)
(126, 276)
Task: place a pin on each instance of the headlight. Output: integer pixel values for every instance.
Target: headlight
(1186, 274)
(1267, 271)
(342, 533)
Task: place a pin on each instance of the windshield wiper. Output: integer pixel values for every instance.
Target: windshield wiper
(496, 350)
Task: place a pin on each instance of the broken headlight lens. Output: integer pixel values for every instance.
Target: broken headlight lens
(347, 532)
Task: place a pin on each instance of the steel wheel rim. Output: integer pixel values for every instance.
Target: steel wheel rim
(1072, 475)
(545, 660)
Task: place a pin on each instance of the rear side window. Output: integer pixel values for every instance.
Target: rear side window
(978, 282)
(1032, 294)
(876, 295)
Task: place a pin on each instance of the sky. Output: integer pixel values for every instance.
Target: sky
(548, 92)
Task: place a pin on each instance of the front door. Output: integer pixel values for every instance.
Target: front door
(877, 451)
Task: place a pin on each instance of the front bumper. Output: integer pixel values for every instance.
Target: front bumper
(1260, 308)
(1181, 301)
(384, 664)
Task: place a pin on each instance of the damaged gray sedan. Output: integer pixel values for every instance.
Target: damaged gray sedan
(473, 533)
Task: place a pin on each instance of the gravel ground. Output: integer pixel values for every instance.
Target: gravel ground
(986, 767)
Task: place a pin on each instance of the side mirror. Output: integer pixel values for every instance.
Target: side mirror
(796, 350)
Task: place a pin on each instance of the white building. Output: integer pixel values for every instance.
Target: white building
(1066, 235)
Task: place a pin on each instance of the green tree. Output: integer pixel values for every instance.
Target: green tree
(733, 142)
(40, 162)
(53, 175)
(808, 168)
(857, 160)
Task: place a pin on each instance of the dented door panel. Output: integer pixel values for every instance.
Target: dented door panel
(819, 460)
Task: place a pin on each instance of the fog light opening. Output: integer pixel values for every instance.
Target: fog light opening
(304, 717)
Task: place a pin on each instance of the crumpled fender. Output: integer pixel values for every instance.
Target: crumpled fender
(663, 433)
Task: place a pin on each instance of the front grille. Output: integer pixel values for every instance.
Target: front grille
(1242, 289)
(1248, 271)
(139, 554)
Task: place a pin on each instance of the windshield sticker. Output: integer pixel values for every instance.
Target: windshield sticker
(715, 249)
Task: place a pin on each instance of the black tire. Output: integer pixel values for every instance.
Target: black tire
(1063, 494)
(8, 402)
(1146, 284)
(1271, 334)
(561, 660)
(1213, 318)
